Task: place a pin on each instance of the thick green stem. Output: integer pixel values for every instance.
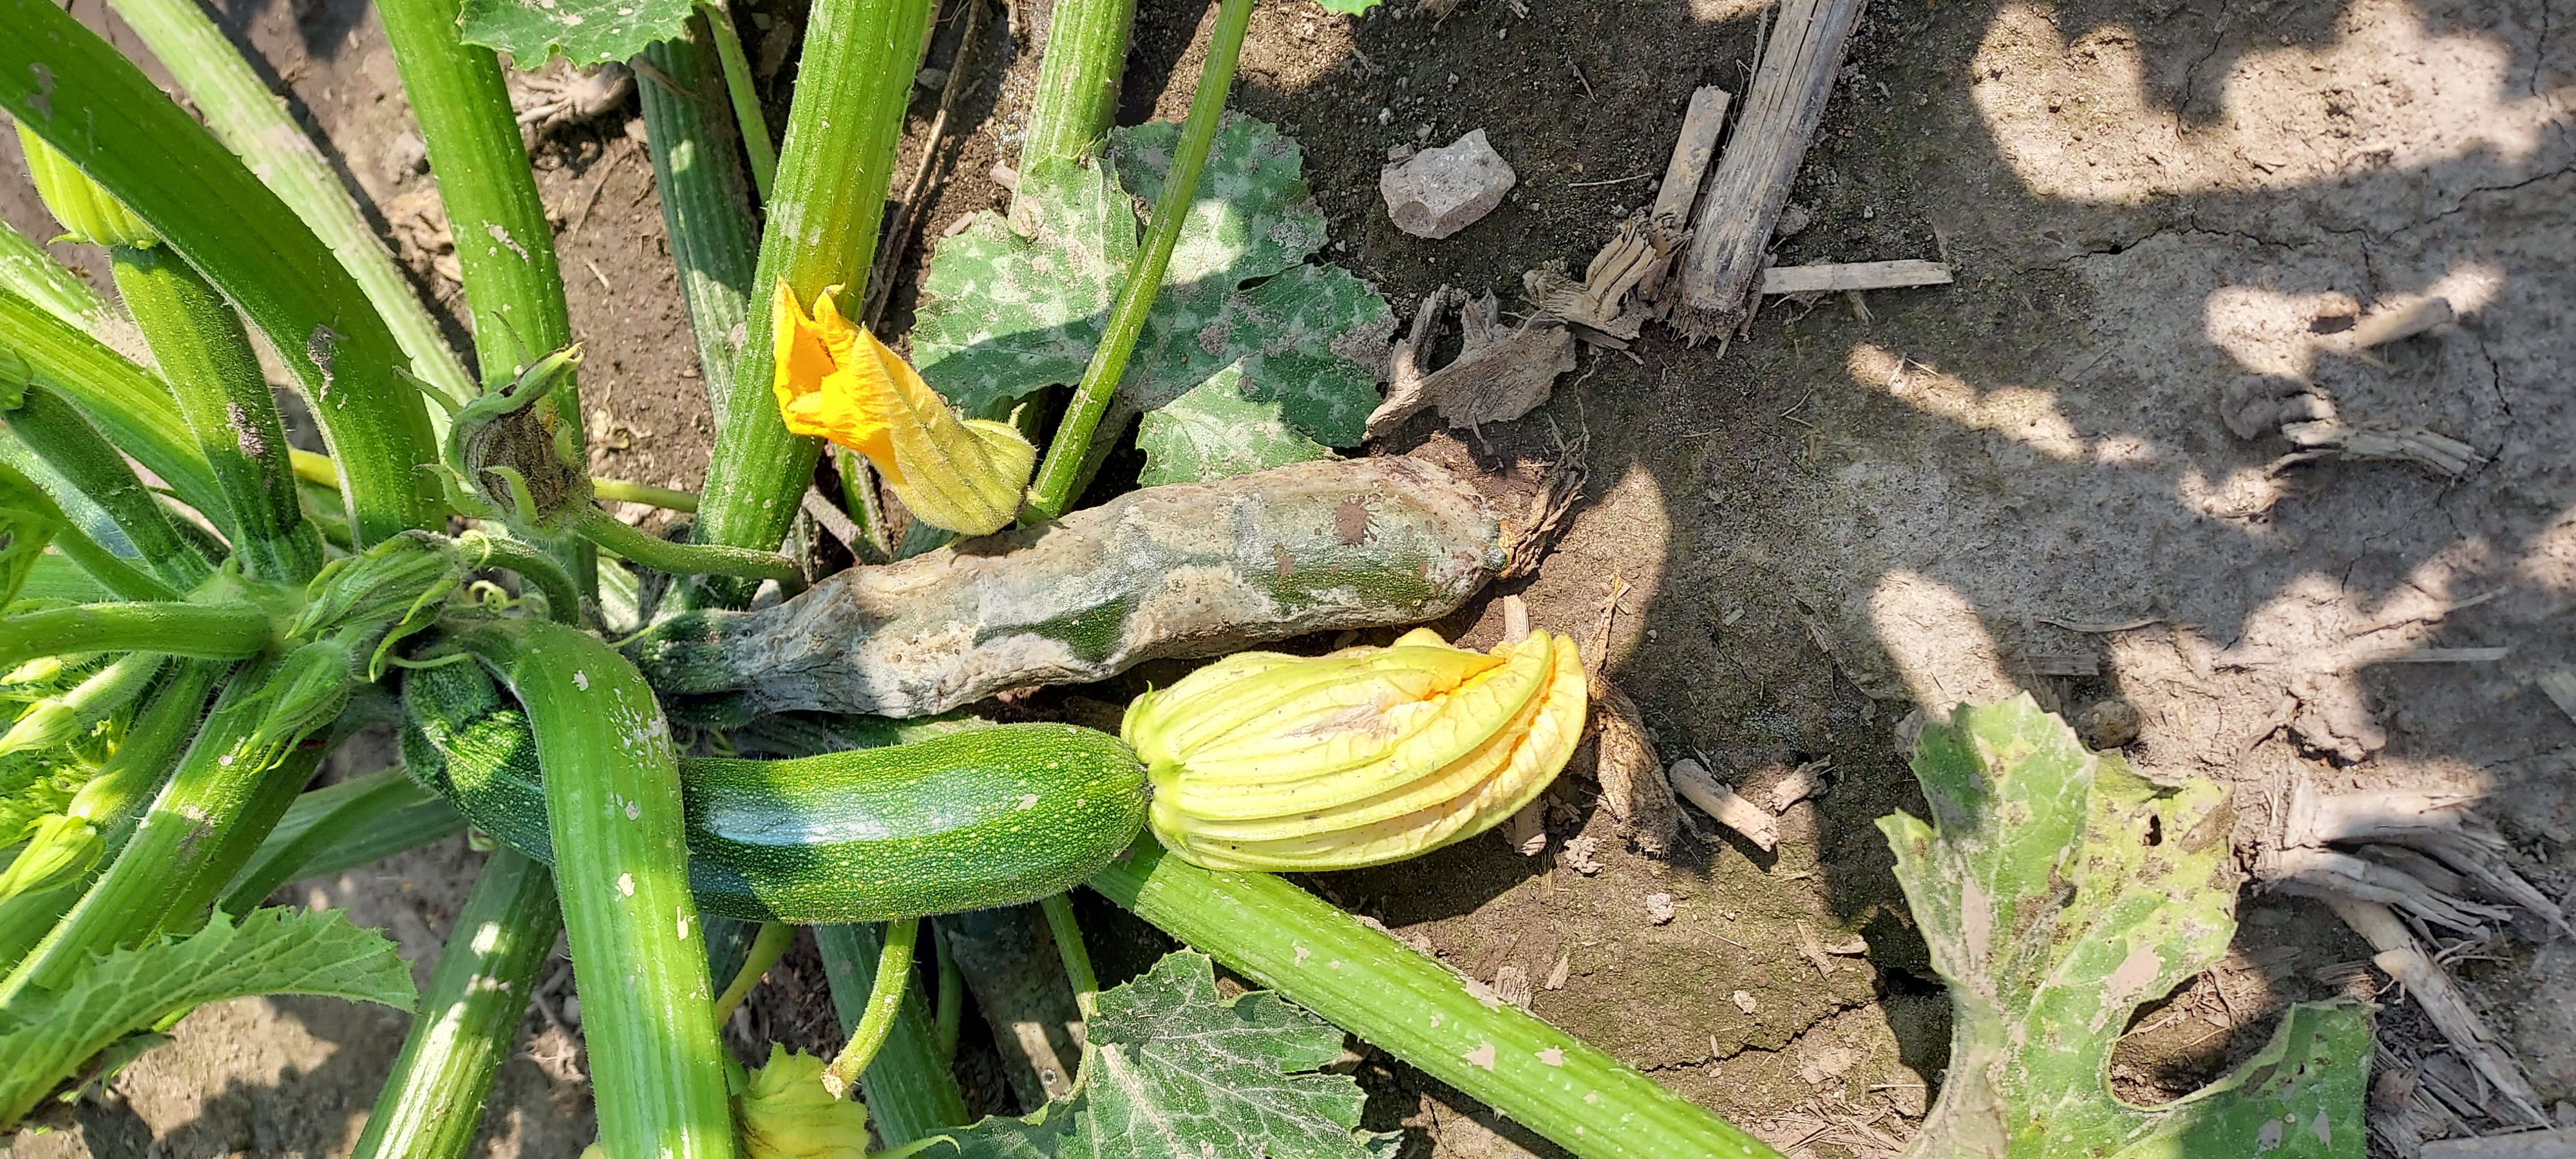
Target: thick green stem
(402, 819)
(274, 867)
(87, 463)
(706, 209)
(683, 558)
(745, 97)
(504, 246)
(207, 361)
(203, 631)
(885, 1001)
(72, 88)
(212, 814)
(1068, 944)
(469, 1019)
(910, 1092)
(833, 171)
(134, 409)
(1053, 489)
(1384, 991)
(251, 120)
(29, 272)
(1077, 97)
(950, 1015)
(765, 952)
(71, 536)
(616, 825)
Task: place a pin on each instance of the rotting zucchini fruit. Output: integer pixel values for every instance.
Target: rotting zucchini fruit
(1190, 569)
(958, 821)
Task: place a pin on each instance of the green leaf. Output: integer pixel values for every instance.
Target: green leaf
(46, 1037)
(1172, 1068)
(1213, 432)
(2058, 890)
(588, 31)
(1348, 7)
(1009, 314)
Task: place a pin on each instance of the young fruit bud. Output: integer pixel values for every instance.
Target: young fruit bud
(837, 381)
(88, 213)
(782, 1112)
(1370, 755)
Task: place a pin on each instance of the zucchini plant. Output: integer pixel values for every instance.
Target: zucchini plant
(184, 650)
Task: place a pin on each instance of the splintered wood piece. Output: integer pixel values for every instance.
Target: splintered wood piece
(1696, 786)
(1752, 179)
(2384, 328)
(1631, 775)
(1692, 152)
(1833, 276)
(2404, 959)
(2559, 1144)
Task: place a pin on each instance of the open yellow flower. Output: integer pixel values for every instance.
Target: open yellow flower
(838, 382)
(1369, 755)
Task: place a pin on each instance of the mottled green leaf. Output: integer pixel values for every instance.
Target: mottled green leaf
(1008, 314)
(1172, 1068)
(588, 31)
(2059, 890)
(1213, 432)
(46, 1036)
(1348, 7)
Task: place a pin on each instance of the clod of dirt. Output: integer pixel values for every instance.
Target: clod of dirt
(1631, 775)
(1581, 855)
(2108, 724)
(1438, 192)
(2256, 405)
(1659, 908)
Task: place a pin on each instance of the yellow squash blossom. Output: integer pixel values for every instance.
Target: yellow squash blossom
(1370, 755)
(838, 382)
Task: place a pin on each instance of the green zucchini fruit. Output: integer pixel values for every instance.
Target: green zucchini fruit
(965, 819)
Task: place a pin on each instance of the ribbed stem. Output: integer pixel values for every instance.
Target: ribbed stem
(833, 171)
(910, 1092)
(756, 145)
(134, 409)
(616, 825)
(251, 120)
(504, 245)
(29, 272)
(1077, 97)
(206, 360)
(1068, 944)
(1386, 992)
(69, 86)
(71, 536)
(203, 631)
(706, 208)
(1053, 490)
(277, 866)
(403, 819)
(468, 1022)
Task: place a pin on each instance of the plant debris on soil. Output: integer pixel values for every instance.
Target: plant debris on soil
(2183, 449)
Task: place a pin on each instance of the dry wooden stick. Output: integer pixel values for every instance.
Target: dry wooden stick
(2405, 960)
(1752, 180)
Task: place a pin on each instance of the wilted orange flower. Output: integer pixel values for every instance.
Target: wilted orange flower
(836, 381)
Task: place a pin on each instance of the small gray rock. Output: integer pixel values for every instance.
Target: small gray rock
(1438, 192)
